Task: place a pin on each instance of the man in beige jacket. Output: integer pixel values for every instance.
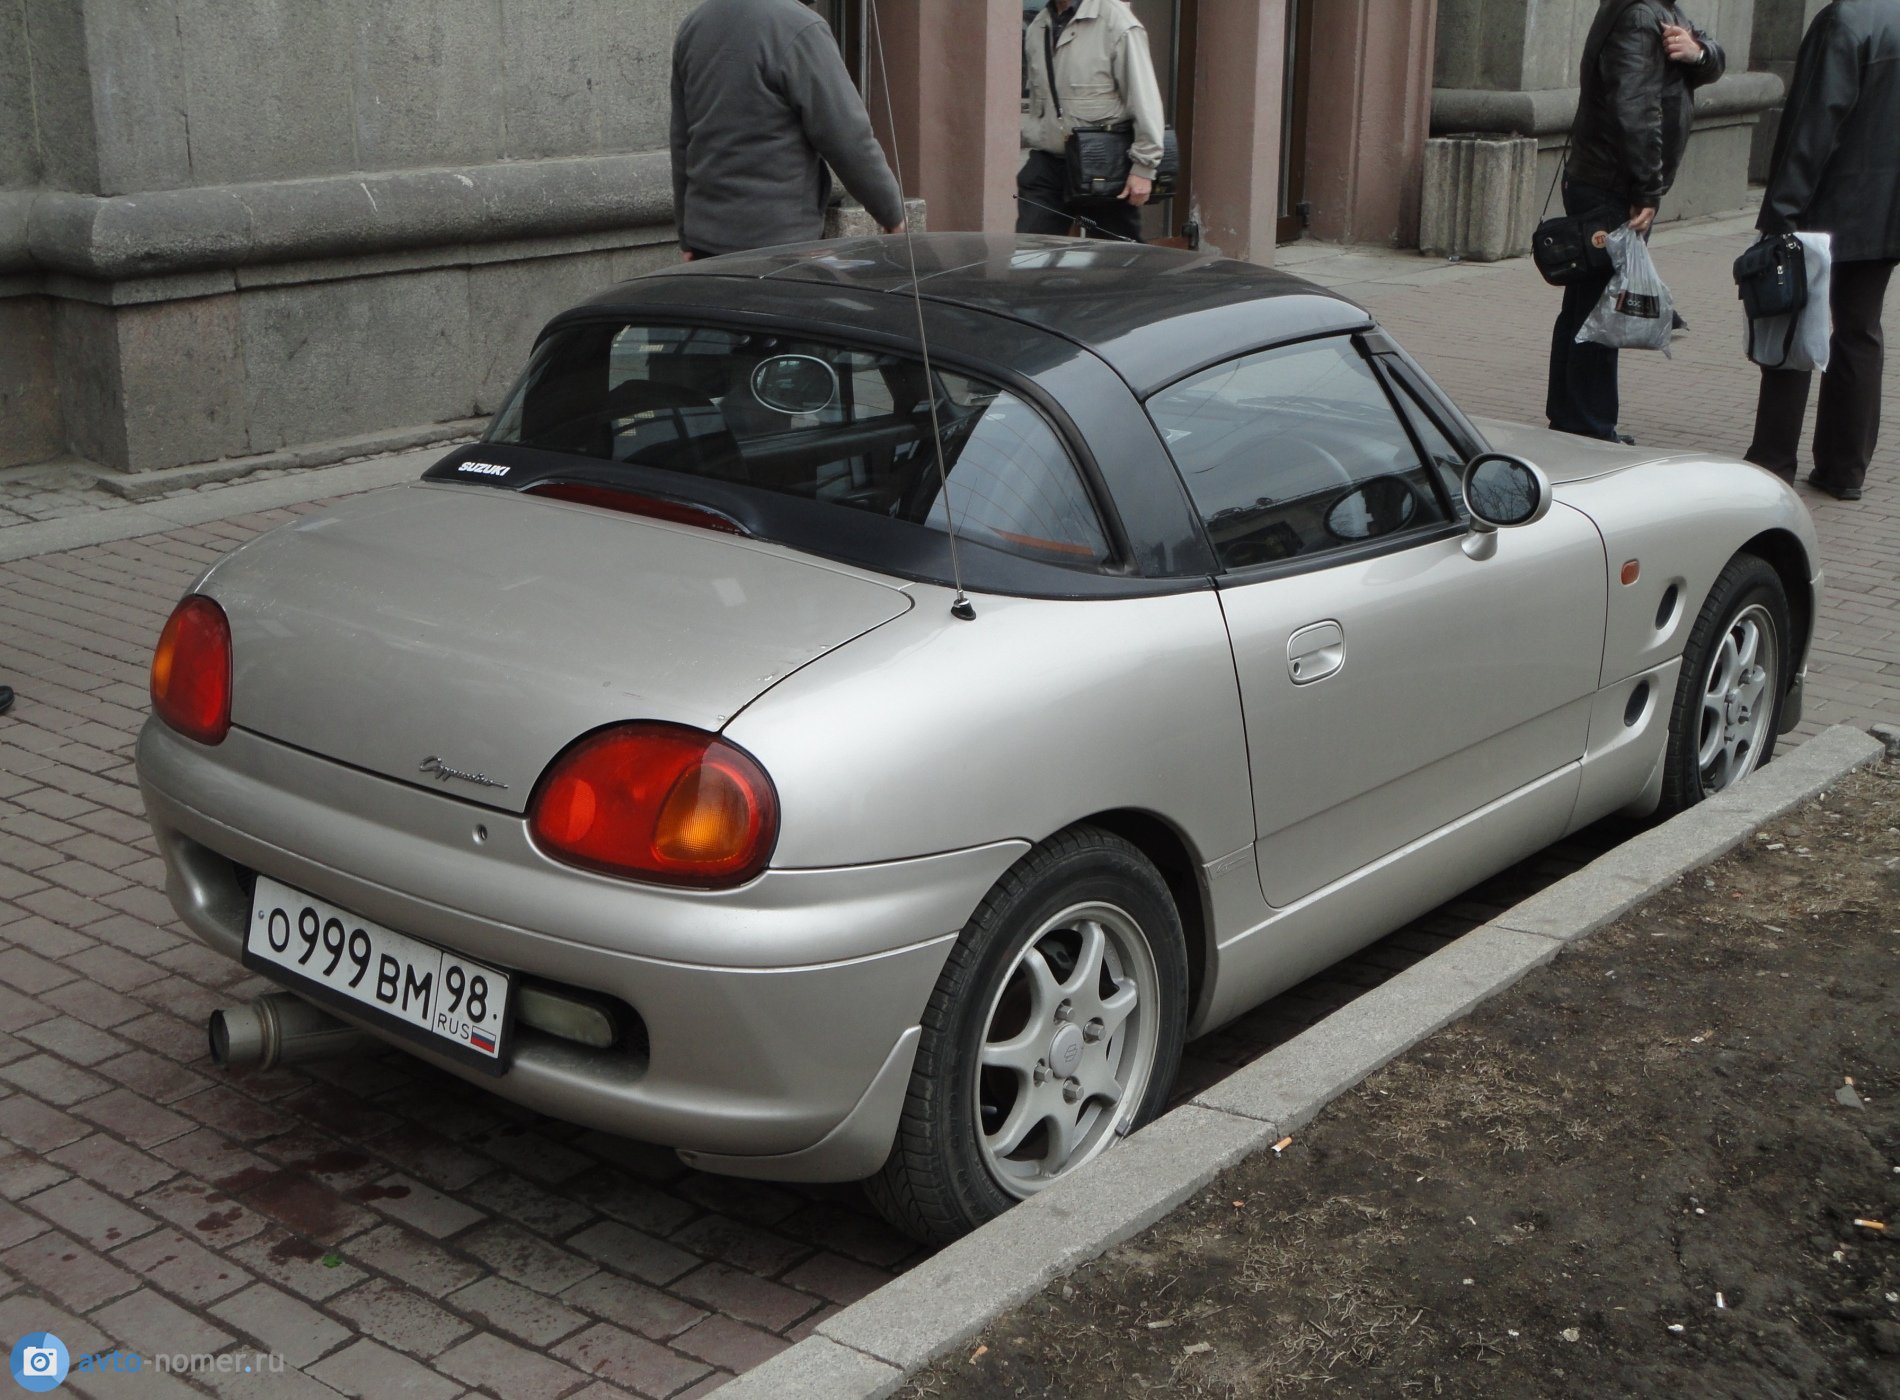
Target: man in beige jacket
(1097, 52)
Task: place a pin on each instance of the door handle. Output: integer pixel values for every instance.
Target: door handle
(1315, 652)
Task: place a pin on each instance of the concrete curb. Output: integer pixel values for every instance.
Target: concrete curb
(866, 1351)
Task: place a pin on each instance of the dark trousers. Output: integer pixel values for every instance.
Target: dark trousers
(1581, 397)
(1847, 420)
(1042, 208)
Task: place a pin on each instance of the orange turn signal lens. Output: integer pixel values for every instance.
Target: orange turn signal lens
(706, 815)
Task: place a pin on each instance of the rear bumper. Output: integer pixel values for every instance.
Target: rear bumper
(787, 1039)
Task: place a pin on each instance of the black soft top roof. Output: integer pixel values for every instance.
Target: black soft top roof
(1152, 313)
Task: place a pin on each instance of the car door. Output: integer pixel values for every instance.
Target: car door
(1390, 684)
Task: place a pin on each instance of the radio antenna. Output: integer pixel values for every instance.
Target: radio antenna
(961, 608)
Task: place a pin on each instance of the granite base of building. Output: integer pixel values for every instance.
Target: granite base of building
(1713, 177)
(228, 368)
(148, 376)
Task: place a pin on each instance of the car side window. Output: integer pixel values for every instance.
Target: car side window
(1446, 460)
(1294, 452)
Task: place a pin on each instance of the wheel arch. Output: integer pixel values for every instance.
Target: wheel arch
(1783, 552)
(1170, 852)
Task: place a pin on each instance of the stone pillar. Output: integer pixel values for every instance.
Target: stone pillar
(954, 89)
(1239, 77)
(1368, 111)
(1779, 27)
(1475, 205)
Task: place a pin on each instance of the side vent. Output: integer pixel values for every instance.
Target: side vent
(1666, 610)
(1638, 705)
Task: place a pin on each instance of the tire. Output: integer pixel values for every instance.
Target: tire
(1071, 1069)
(1727, 708)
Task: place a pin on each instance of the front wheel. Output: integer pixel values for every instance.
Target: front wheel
(1055, 1029)
(1734, 675)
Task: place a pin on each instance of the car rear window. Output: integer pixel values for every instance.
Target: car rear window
(826, 422)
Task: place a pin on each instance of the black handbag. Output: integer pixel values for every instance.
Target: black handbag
(1565, 247)
(1565, 250)
(1098, 163)
(1771, 278)
(1096, 159)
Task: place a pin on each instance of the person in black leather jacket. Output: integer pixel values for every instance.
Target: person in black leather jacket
(1642, 63)
(1836, 169)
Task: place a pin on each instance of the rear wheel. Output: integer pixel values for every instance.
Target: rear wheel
(1055, 1029)
(1734, 674)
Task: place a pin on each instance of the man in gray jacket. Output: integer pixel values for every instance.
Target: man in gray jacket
(1087, 63)
(761, 103)
(1836, 170)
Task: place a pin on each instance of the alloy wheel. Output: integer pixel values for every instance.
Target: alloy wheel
(1068, 1046)
(1738, 699)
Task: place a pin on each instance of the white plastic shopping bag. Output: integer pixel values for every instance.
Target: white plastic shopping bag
(1635, 311)
(1800, 339)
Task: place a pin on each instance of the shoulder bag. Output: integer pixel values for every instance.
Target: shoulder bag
(1096, 158)
(1771, 280)
(1771, 276)
(1565, 247)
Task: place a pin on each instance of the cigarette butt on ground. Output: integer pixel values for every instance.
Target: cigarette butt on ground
(1879, 1225)
(978, 1353)
(1282, 1145)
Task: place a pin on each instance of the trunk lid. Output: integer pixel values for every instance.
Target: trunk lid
(425, 628)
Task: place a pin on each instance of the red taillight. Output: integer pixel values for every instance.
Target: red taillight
(191, 671)
(660, 802)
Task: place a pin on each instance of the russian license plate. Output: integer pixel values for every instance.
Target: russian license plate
(449, 1003)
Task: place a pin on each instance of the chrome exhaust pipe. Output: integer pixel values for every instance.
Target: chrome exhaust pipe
(276, 1029)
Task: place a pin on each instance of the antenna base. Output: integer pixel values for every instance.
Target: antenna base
(962, 611)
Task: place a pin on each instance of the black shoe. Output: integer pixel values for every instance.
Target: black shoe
(1839, 493)
(1626, 439)
(6, 698)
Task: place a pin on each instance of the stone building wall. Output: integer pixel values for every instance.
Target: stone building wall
(1510, 66)
(316, 227)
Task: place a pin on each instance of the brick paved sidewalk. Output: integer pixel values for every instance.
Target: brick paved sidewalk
(384, 1228)
(388, 1230)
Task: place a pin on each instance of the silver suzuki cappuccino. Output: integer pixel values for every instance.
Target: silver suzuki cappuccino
(853, 722)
